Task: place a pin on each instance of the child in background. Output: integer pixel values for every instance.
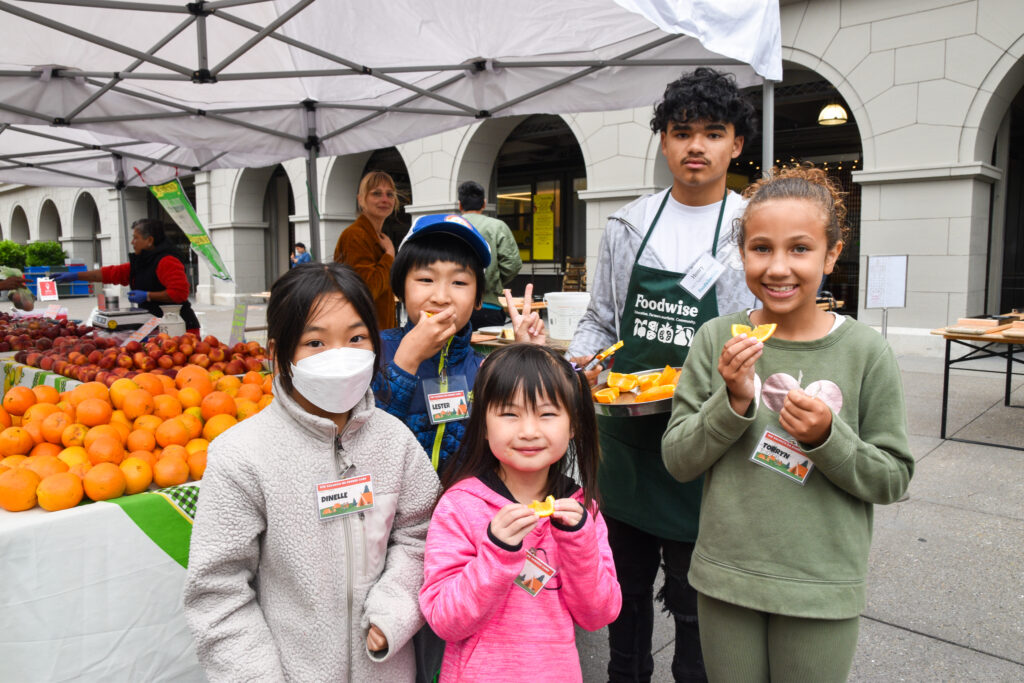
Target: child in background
(503, 586)
(439, 274)
(284, 582)
(800, 435)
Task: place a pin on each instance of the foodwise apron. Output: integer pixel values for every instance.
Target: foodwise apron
(658, 324)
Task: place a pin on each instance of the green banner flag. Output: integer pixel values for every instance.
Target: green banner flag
(172, 197)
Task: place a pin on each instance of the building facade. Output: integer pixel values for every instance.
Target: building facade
(930, 154)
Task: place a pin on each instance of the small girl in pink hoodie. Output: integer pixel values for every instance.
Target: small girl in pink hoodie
(505, 582)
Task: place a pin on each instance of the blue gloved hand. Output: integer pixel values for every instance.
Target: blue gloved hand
(64, 277)
(138, 296)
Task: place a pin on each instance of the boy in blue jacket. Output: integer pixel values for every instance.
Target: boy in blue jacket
(428, 366)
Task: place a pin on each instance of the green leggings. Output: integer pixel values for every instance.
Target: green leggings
(746, 646)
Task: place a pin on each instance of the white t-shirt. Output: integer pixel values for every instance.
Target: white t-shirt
(684, 232)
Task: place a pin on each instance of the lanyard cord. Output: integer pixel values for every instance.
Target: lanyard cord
(435, 455)
(650, 230)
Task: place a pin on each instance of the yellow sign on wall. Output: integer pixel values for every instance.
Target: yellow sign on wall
(543, 228)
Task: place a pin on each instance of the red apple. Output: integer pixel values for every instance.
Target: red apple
(187, 348)
(179, 358)
(203, 347)
(120, 370)
(169, 345)
(33, 359)
(132, 347)
(217, 355)
(94, 356)
(145, 363)
(47, 363)
(124, 360)
(253, 364)
(211, 340)
(254, 348)
(200, 359)
(165, 361)
(235, 367)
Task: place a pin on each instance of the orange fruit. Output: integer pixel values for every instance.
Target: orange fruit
(170, 471)
(18, 399)
(217, 425)
(39, 411)
(622, 382)
(543, 508)
(173, 451)
(165, 407)
(5, 418)
(119, 389)
(606, 395)
(172, 431)
(228, 384)
(46, 394)
(93, 411)
(253, 377)
(147, 422)
(656, 393)
(18, 489)
(80, 469)
(217, 403)
(54, 425)
(74, 435)
(268, 384)
(59, 491)
(15, 441)
(137, 403)
(138, 475)
(760, 333)
(67, 408)
(104, 481)
(189, 397)
(45, 465)
(149, 382)
(197, 445)
(669, 376)
(168, 383)
(197, 464)
(141, 440)
(265, 401)
(249, 392)
(89, 390)
(245, 408)
(119, 417)
(105, 449)
(103, 430)
(192, 422)
(215, 375)
(34, 430)
(146, 456)
(46, 448)
(73, 456)
(13, 461)
(195, 377)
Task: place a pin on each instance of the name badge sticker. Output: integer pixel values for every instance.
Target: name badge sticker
(345, 496)
(702, 276)
(783, 456)
(535, 575)
(446, 401)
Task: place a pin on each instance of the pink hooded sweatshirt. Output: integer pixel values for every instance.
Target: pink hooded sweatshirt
(495, 630)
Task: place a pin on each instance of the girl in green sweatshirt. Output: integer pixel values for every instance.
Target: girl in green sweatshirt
(800, 434)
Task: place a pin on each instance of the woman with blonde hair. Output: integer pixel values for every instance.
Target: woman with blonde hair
(364, 246)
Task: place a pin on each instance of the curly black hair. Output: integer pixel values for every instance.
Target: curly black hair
(705, 95)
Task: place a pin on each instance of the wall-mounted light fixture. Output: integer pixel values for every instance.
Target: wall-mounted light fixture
(832, 115)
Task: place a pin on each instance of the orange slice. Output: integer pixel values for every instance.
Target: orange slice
(543, 508)
(606, 395)
(656, 393)
(622, 381)
(649, 380)
(760, 333)
(669, 376)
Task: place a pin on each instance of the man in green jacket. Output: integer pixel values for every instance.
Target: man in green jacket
(505, 259)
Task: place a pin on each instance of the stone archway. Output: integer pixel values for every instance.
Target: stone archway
(49, 222)
(19, 231)
(83, 244)
(338, 198)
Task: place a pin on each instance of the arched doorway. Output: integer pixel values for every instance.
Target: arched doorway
(49, 222)
(390, 161)
(1009, 155)
(263, 202)
(19, 226)
(85, 232)
(538, 174)
(799, 99)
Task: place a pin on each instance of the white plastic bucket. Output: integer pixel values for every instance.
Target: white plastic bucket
(564, 312)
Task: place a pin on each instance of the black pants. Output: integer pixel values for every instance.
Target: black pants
(637, 555)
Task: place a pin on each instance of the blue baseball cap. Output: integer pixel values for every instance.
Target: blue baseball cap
(451, 224)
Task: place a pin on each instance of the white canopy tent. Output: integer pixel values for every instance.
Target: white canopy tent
(235, 83)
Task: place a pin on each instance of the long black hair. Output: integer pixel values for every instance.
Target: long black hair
(296, 296)
(532, 374)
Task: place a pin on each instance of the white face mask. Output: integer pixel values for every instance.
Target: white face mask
(334, 380)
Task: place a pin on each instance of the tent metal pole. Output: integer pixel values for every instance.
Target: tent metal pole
(260, 35)
(767, 126)
(312, 145)
(122, 205)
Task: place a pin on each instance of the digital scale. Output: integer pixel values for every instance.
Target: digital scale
(120, 321)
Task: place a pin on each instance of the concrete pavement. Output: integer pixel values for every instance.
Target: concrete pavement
(946, 582)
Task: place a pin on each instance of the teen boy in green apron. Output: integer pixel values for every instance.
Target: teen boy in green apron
(667, 264)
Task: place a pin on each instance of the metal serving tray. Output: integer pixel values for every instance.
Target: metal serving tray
(626, 406)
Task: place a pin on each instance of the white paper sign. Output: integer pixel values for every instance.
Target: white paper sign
(887, 282)
(47, 289)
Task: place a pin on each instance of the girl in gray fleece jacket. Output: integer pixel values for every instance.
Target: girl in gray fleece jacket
(307, 551)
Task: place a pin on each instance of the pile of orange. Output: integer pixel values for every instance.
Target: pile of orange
(651, 386)
(100, 443)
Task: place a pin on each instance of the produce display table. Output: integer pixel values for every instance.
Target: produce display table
(979, 347)
(16, 374)
(94, 593)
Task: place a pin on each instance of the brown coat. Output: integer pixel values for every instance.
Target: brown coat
(359, 247)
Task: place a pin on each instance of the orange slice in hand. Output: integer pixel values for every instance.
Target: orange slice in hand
(656, 393)
(543, 508)
(606, 395)
(622, 381)
(760, 333)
